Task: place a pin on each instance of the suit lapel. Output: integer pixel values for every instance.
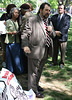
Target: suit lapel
(41, 24)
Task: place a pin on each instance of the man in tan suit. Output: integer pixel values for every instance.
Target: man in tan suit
(36, 42)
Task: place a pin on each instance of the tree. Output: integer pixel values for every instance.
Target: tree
(65, 2)
(0, 1)
(33, 2)
(16, 2)
(53, 4)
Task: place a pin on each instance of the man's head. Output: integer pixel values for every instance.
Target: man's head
(24, 8)
(31, 6)
(44, 10)
(61, 9)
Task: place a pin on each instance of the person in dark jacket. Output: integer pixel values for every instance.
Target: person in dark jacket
(61, 23)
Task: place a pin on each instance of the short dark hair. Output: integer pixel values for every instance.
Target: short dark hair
(9, 7)
(60, 4)
(25, 6)
(31, 6)
(42, 6)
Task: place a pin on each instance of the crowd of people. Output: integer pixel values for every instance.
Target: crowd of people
(30, 39)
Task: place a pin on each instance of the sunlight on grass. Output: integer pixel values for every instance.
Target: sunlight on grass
(46, 74)
(55, 95)
(69, 85)
(49, 98)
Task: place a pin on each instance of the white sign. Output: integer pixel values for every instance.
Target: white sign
(2, 27)
(10, 89)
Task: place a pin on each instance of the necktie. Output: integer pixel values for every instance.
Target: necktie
(48, 41)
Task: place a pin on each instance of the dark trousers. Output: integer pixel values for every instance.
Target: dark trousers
(25, 62)
(59, 45)
(3, 45)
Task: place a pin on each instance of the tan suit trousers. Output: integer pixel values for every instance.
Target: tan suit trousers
(35, 67)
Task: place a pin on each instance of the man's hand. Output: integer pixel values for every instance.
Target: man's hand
(58, 33)
(5, 23)
(27, 50)
(49, 28)
(14, 32)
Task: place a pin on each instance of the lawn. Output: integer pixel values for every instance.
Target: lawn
(61, 76)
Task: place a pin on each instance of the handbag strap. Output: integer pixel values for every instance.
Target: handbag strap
(16, 30)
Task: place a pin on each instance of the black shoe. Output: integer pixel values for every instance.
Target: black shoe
(39, 95)
(40, 89)
(61, 66)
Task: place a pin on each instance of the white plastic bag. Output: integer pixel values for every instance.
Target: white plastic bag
(10, 89)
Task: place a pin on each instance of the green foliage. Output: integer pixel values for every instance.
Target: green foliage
(18, 3)
(33, 2)
(1, 13)
(53, 4)
(0, 1)
(65, 2)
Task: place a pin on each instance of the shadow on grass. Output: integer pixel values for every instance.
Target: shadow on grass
(65, 73)
(56, 95)
(69, 52)
(61, 74)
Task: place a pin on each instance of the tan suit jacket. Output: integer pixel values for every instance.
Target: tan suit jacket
(26, 16)
(34, 36)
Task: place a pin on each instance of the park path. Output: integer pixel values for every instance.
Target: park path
(53, 85)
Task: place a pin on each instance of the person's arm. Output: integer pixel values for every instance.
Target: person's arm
(51, 30)
(53, 20)
(26, 33)
(14, 32)
(58, 33)
(66, 25)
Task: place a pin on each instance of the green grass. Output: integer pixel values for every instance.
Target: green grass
(55, 95)
(62, 75)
